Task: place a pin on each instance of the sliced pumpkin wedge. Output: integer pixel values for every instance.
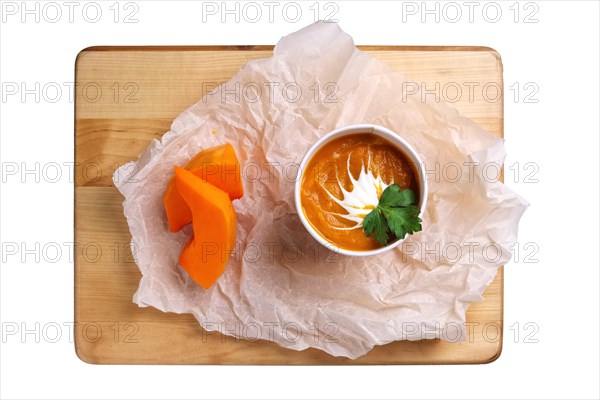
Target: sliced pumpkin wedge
(214, 222)
(218, 166)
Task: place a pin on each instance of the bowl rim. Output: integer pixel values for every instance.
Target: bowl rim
(383, 132)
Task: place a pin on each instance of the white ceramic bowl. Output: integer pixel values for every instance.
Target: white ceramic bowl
(384, 133)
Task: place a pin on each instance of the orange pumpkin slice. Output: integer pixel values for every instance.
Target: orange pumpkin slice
(214, 221)
(218, 166)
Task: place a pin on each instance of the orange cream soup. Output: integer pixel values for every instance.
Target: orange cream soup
(374, 163)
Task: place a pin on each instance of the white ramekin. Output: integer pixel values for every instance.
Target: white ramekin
(384, 133)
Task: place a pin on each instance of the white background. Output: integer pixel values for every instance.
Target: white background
(559, 133)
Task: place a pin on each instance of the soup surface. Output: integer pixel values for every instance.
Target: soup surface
(343, 181)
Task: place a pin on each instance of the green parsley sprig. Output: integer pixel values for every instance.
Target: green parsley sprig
(395, 213)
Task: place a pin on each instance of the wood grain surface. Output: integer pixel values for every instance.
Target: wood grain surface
(125, 97)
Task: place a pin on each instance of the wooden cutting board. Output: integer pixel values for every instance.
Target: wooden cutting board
(127, 96)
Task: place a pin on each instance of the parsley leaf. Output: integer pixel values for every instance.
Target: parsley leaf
(374, 223)
(395, 213)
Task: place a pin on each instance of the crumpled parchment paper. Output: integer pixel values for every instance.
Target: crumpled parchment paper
(280, 284)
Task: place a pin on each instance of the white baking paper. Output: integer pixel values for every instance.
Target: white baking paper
(280, 284)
